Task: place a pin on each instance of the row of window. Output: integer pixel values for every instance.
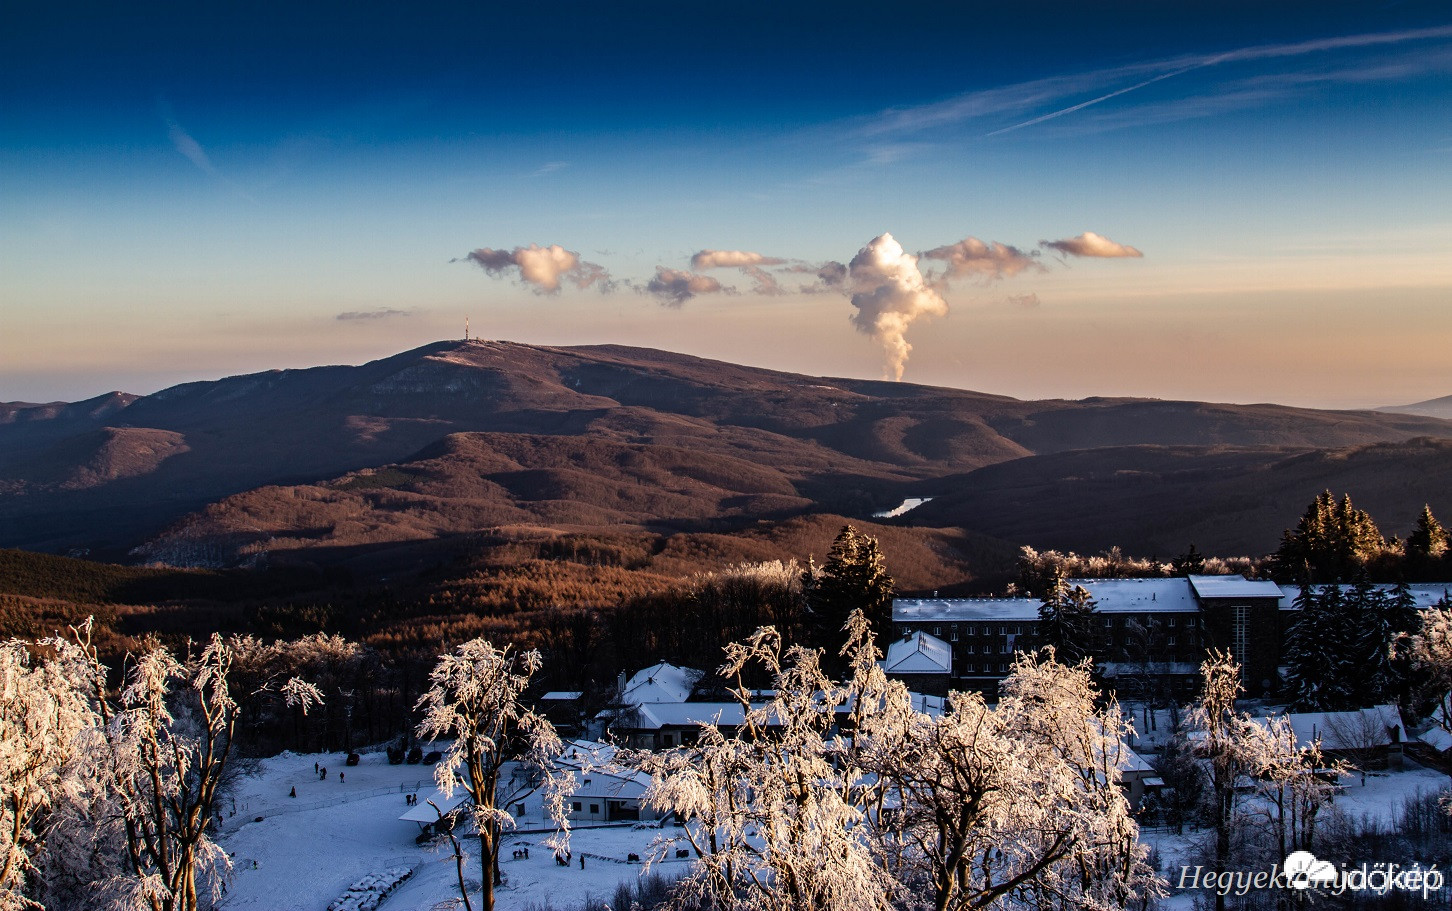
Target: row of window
(1018, 629)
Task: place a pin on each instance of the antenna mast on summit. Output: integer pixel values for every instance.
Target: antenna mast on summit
(466, 328)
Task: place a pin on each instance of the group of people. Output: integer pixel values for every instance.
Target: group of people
(521, 853)
(564, 859)
(323, 773)
(410, 800)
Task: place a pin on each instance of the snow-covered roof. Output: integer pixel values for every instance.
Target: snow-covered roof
(561, 696)
(663, 682)
(1111, 596)
(919, 653)
(964, 610)
(623, 785)
(1426, 594)
(1358, 729)
(654, 716)
(425, 813)
(1437, 738)
(1130, 761)
(1233, 587)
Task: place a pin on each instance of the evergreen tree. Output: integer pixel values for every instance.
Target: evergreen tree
(854, 577)
(1321, 651)
(1427, 544)
(1332, 542)
(1189, 563)
(1066, 621)
(1370, 611)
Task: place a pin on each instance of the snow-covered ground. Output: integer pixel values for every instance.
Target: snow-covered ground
(1380, 799)
(308, 850)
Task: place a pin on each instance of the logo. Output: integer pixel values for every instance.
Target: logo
(1304, 871)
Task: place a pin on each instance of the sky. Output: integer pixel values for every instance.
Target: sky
(1227, 201)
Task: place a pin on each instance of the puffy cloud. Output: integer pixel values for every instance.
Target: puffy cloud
(543, 267)
(716, 259)
(973, 257)
(889, 293)
(383, 313)
(1091, 244)
(675, 286)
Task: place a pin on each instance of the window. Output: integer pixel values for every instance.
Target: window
(937, 631)
(1003, 631)
(972, 631)
(969, 650)
(1003, 649)
(1170, 640)
(953, 632)
(1003, 669)
(1239, 635)
(1108, 622)
(575, 805)
(594, 808)
(1172, 621)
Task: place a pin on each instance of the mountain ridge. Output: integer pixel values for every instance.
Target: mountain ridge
(469, 434)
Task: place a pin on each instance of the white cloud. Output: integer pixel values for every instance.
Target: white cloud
(718, 259)
(890, 294)
(543, 267)
(1093, 245)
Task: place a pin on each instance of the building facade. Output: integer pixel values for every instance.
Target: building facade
(1150, 631)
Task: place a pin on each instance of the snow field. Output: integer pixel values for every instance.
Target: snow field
(310, 851)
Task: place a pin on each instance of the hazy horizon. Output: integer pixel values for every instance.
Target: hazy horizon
(1218, 202)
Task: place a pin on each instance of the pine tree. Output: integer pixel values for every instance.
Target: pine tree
(1189, 563)
(1427, 544)
(1370, 612)
(1323, 651)
(1331, 543)
(1066, 621)
(854, 577)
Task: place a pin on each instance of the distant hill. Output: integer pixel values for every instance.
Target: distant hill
(1156, 500)
(457, 437)
(1434, 408)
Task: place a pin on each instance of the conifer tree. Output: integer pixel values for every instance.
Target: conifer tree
(1066, 621)
(1189, 563)
(1322, 650)
(1331, 543)
(1371, 676)
(1427, 544)
(854, 577)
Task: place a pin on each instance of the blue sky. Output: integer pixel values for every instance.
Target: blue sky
(196, 190)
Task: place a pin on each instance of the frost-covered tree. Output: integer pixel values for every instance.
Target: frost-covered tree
(474, 698)
(1018, 805)
(774, 807)
(47, 730)
(168, 742)
(1229, 745)
(846, 796)
(1294, 782)
(1432, 661)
